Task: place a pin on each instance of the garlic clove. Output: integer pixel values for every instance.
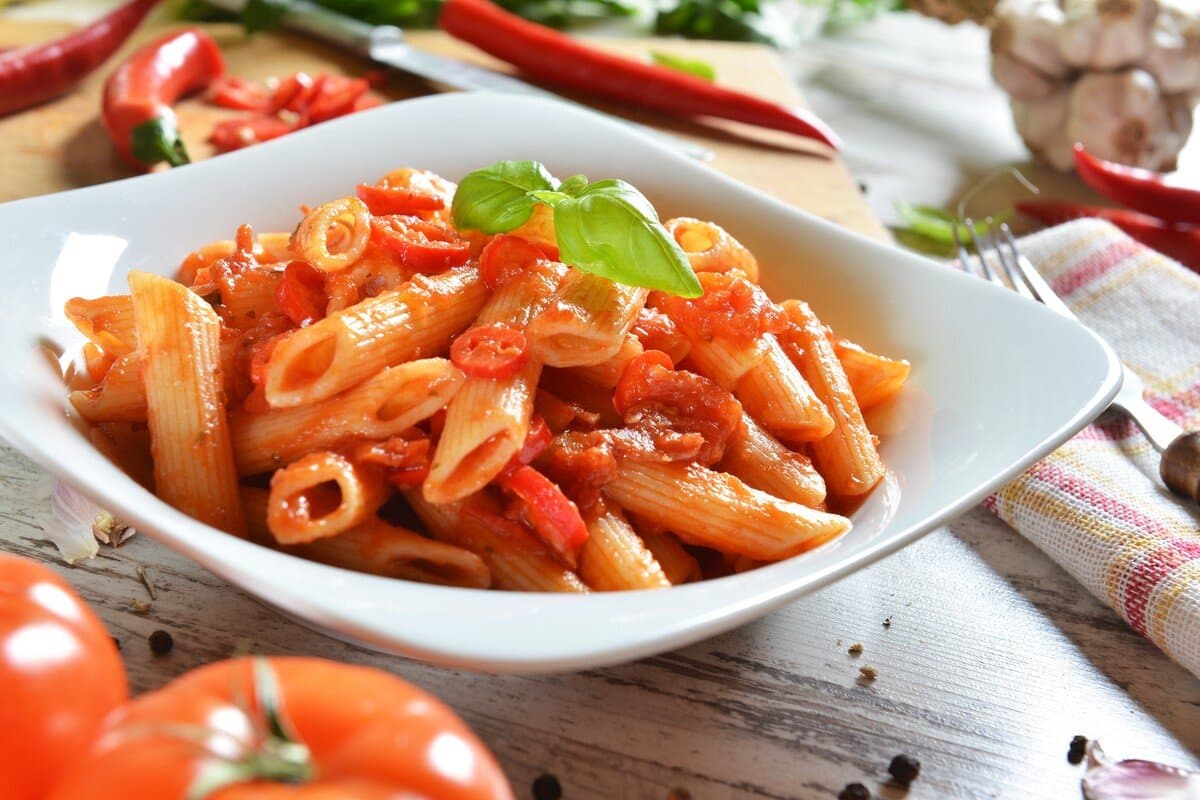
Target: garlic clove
(1021, 81)
(1174, 54)
(1028, 31)
(1106, 34)
(1043, 126)
(70, 527)
(1120, 116)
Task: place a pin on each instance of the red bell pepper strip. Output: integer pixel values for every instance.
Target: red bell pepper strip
(556, 58)
(32, 75)
(1140, 189)
(138, 96)
(1181, 243)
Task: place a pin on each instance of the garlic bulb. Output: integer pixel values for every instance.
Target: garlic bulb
(1121, 76)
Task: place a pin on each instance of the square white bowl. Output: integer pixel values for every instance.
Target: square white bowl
(997, 381)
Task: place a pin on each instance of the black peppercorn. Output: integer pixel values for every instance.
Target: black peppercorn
(1077, 750)
(904, 769)
(854, 791)
(161, 643)
(546, 787)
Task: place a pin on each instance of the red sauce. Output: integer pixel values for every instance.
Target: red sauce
(405, 462)
(656, 331)
(731, 307)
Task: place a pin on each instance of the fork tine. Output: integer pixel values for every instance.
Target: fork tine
(963, 255)
(980, 248)
(1037, 284)
(1008, 259)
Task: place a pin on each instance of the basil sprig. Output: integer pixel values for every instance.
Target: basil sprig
(608, 228)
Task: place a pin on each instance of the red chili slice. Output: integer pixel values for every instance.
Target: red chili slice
(301, 293)
(383, 200)
(634, 376)
(490, 351)
(233, 134)
(551, 514)
(333, 97)
(422, 246)
(505, 256)
(293, 93)
(537, 439)
(240, 94)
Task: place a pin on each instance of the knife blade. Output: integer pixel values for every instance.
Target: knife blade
(386, 44)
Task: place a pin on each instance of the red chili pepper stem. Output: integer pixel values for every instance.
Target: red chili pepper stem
(556, 58)
(158, 140)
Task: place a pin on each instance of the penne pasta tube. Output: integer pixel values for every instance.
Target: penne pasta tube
(383, 406)
(717, 510)
(776, 394)
(518, 561)
(874, 379)
(725, 361)
(761, 461)
(119, 397)
(677, 564)
(377, 548)
(178, 345)
(846, 457)
(607, 373)
(487, 420)
(710, 248)
(332, 236)
(346, 348)
(321, 495)
(614, 557)
(586, 322)
(107, 321)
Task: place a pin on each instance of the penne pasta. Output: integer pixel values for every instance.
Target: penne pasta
(586, 323)
(487, 420)
(717, 510)
(107, 321)
(321, 495)
(332, 236)
(614, 557)
(377, 548)
(119, 397)
(178, 345)
(847, 457)
(761, 461)
(874, 379)
(518, 561)
(776, 394)
(710, 248)
(383, 406)
(346, 348)
(677, 564)
(607, 373)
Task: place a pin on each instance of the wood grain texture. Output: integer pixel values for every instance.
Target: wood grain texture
(61, 145)
(993, 660)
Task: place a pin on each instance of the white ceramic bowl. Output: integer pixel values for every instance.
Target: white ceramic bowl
(997, 381)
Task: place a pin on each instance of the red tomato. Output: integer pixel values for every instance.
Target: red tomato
(422, 246)
(551, 514)
(634, 375)
(490, 351)
(293, 93)
(230, 92)
(60, 676)
(233, 134)
(506, 256)
(350, 731)
(397, 199)
(301, 293)
(731, 306)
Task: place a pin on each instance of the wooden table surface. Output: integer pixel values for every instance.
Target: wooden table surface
(993, 660)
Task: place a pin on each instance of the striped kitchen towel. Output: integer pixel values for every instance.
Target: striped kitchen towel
(1096, 505)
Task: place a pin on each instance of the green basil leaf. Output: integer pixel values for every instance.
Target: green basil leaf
(692, 66)
(496, 199)
(548, 197)
(610, 229)
(574, 184)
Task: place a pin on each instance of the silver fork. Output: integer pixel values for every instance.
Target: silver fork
(1179, 464)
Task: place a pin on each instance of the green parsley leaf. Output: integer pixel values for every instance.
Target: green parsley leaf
(497, 199)
(610, 229)
(692, 66)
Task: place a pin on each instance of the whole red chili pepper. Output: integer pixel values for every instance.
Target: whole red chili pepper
(1181, 243)
(32, 75)
(1140, 189)
(556, 58)
(138, 96)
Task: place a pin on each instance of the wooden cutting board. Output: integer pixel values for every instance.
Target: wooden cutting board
(61, 145)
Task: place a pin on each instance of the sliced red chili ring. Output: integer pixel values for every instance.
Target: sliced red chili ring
(422, 246)
(634, 375)
(490, 351)
(552, 515)
(240, 94)
(301, 293)
(505, 256)
(383, 200)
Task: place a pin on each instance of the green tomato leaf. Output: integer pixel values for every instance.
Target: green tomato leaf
(692, 66)
(610, 229)
(497, 199)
